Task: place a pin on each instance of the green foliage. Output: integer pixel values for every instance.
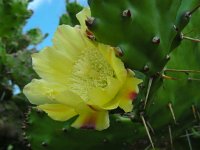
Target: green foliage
(70, 17)
(35, 36)
(15, 69)
(13, 16)
(16, 63)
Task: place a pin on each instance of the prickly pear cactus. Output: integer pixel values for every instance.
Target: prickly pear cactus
(159, 41)
(42, 137)
(146, 31)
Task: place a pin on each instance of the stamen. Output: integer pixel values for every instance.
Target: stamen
(91, 70)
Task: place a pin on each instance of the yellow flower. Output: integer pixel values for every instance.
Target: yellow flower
(80, 77)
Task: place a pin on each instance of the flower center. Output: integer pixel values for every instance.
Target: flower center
(89, 71)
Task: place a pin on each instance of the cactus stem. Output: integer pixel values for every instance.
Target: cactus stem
(188, 139)
(184, 71)
(194, 111)
(148, 90)
(192, 31)
(170, 136)
(190, 38)
(172, 112)
(194, 10)
(150, 127)
(147, 130)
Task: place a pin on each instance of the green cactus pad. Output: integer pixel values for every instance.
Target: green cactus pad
(45, 133)
(146, 33)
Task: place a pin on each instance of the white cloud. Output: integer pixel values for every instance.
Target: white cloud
(37, 3)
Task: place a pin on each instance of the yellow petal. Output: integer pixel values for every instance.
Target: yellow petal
(113, 104)
(82, 16)
(117, 65)
(55, 63)
(58, 112)
(71, 41)
(128, 93)
(43, 92)
(92, 119)
(101, 96)
(68, 98)
(52, 65)
(119, 68)
(38, 92)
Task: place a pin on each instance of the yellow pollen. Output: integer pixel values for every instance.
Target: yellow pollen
(89, 71)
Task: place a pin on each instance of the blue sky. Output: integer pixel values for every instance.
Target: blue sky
(46, 17)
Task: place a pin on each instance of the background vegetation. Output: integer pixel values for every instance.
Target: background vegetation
(16, 71)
